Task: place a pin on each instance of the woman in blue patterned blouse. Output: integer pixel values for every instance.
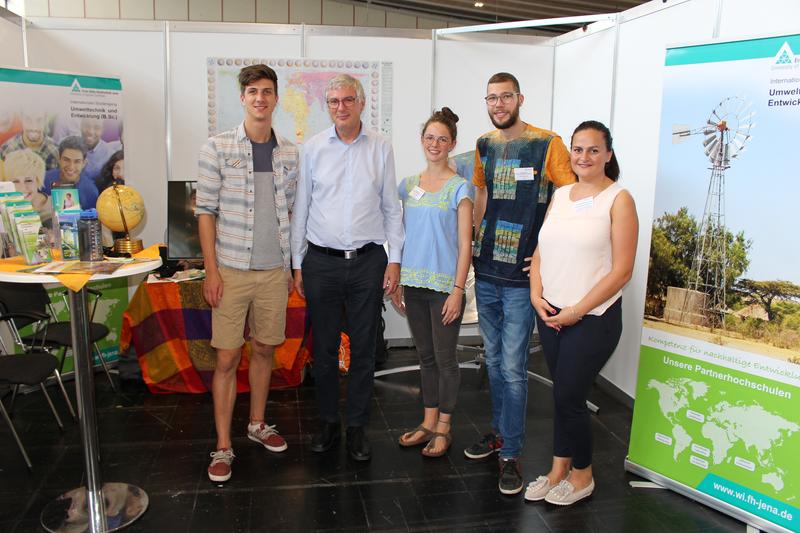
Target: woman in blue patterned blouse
(437, 215)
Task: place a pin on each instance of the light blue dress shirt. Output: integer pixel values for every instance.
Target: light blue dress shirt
(346, 195)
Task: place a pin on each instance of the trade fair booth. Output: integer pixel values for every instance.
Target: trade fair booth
(678, 82)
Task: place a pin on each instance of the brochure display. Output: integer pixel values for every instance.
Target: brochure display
(717, 413)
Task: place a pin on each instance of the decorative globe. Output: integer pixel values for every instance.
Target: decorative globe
(108, 207)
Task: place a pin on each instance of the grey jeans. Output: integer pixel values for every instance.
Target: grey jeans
(436, 346)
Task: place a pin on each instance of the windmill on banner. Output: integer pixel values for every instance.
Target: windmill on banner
(725, 135)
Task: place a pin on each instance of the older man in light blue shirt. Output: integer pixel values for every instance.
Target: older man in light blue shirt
(345, 209)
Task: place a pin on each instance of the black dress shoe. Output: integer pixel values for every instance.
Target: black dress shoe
(326, 438)
(358, 446)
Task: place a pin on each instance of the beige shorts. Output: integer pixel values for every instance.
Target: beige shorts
(258, 296)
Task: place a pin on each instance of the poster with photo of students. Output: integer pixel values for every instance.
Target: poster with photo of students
(39, 111)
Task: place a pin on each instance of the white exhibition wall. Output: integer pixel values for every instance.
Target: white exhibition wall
(11, 54)
(583, 84)
(463, 66)
(609, 72)
(741, 18)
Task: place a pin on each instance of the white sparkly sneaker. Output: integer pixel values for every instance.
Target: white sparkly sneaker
(538, 489)
(565, 494)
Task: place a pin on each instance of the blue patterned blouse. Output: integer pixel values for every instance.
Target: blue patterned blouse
(430, 252)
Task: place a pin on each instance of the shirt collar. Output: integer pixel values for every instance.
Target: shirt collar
(242, 136)
(333, 136)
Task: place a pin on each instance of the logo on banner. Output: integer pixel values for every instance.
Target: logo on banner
(76, 87)
(785, 58)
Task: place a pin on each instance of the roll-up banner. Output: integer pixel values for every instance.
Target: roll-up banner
(717, 412)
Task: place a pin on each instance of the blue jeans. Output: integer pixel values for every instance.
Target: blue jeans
(505, 318)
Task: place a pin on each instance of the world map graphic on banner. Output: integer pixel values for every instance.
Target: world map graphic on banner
(301, 111)
(708, 426)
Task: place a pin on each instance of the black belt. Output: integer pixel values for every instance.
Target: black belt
(347, 254)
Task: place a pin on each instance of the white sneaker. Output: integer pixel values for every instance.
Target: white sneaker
(538, 489)
(565, 494)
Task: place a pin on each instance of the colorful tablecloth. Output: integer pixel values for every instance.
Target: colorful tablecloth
(169, 325)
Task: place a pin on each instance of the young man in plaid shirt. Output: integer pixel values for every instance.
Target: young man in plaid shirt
(245, 190)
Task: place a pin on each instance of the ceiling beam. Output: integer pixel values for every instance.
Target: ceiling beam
(585, 19)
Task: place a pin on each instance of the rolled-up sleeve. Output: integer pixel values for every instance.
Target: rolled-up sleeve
(557, 165)
(209, 181)
(390, 205)
(478, 173)
(291, 188)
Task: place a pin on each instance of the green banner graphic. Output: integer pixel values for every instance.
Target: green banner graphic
(58, 79)
(693, 418)
(757, 504)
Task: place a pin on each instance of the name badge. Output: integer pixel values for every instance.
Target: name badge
(417, 193)
(583, 204)
(524, 174)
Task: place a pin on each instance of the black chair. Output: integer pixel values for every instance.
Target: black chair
(32, 368)
(39, 324)
(32, 300)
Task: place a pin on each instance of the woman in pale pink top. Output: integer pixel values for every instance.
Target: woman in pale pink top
(585, 256)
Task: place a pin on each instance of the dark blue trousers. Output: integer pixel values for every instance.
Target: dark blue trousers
(575, 356)
(344, 291)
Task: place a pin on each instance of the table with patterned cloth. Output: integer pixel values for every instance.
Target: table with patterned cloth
(169, 325)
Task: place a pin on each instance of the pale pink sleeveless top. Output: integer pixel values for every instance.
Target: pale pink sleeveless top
(575, 247)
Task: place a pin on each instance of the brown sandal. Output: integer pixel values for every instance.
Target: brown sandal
(427, 435)
(448, 439)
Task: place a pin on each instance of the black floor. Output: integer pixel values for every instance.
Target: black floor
(162, 444)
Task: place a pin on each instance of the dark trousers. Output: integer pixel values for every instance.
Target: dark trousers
(342, 290)
(575, 356)
(436, 346)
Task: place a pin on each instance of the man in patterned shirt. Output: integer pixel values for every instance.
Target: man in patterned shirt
(34, 137)
(516, 167)
(245, 190)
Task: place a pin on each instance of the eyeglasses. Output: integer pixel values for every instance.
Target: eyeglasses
(347, 101)
(506, 98)
(430, 139)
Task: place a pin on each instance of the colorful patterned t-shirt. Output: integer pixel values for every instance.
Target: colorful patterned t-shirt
(430, 252)
(518, 176)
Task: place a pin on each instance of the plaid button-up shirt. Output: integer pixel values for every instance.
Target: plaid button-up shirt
(225, 189)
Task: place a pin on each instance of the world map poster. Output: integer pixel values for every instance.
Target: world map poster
(717, 412)
(301, 111)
